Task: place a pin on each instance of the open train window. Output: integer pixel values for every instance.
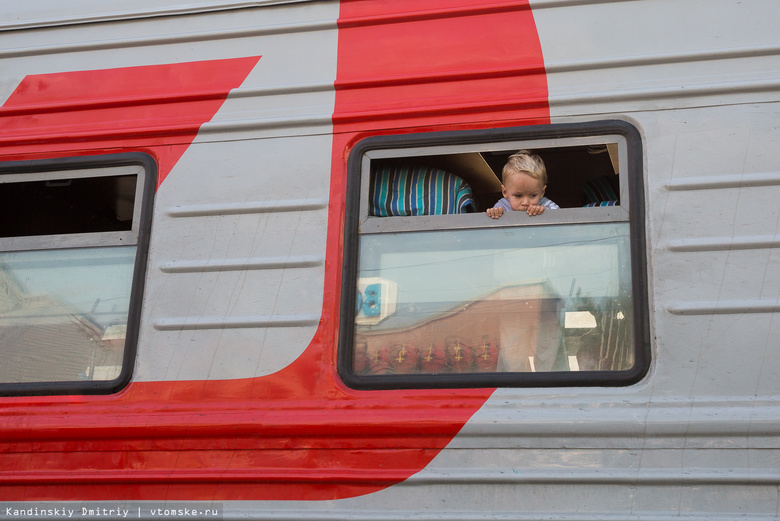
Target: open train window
(437, 294)
(73, 244)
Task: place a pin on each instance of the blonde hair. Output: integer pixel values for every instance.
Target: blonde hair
(525, 162)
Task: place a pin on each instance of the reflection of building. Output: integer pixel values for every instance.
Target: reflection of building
(516, 328)
(11, 295)
(42, 340)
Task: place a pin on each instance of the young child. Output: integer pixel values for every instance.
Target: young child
(524, 180)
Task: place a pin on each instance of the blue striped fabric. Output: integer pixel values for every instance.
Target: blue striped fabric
(416, 190)
(600, 189)
(602, 203)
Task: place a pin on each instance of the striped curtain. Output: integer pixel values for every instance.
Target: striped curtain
(418, 190)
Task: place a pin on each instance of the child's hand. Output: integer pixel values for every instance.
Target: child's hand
(495, 213)
(535, 209)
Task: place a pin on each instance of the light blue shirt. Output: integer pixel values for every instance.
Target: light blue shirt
(504, 203)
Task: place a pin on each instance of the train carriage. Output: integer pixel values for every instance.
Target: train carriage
(247, 270)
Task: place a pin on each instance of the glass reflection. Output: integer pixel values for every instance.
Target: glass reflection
(502, 299)
(63, 313)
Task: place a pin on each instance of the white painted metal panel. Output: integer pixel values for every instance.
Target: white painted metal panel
(604, 57)
(47, 13)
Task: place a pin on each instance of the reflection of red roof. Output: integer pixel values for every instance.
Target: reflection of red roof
(408, 317)
(521, 322)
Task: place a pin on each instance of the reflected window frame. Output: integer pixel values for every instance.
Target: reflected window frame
(136, 164)
(358, 222)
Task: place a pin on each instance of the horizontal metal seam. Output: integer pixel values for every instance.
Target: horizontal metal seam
(609, 476)
(244, 322)
(673, 93)
(138, 14)
(216, 210)
(259, 263)
(170, 39)
(702, 244)
(724, 307)
(746, 180)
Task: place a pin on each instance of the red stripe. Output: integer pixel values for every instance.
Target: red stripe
(157, 109)
(444, 63)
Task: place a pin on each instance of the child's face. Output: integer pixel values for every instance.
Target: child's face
(522, 191)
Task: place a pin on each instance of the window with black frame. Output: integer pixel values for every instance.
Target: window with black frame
(439, 294)
(73, 242)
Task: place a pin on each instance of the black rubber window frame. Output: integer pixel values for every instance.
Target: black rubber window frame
(635, 179)
(139, 273)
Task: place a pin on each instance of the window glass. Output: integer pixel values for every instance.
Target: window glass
(70, 271)
(63, 313)
(502, 299)
(456, 298)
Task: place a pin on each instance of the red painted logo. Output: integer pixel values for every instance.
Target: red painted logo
(298, 434)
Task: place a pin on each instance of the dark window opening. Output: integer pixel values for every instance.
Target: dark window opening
(63, 206)
(578, 176)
